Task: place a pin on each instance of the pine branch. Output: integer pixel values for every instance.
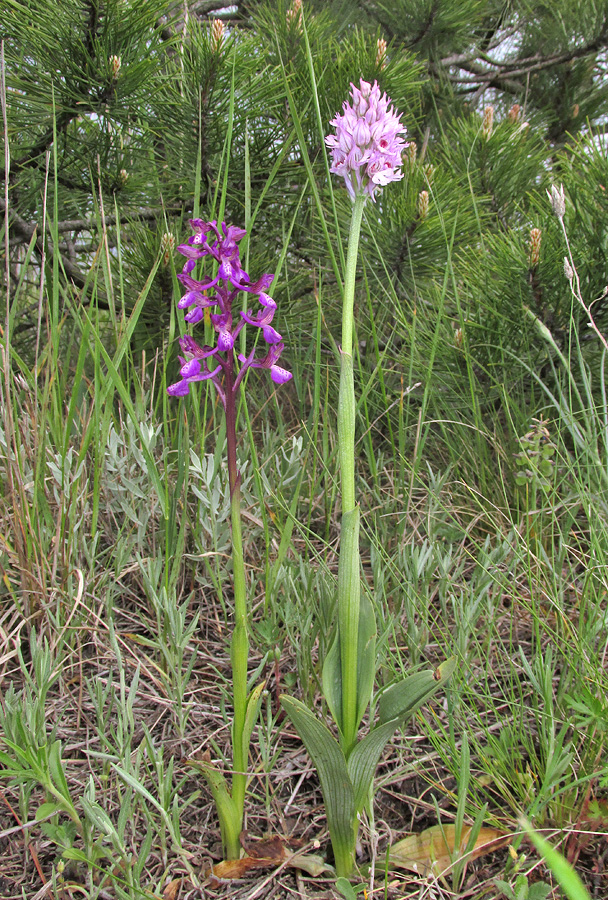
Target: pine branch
(146, 213)
(505, 70)
(426, 26)
(26, 231)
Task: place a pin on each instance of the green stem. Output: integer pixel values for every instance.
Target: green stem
(348, 566)
(239, 653)
(239, 645)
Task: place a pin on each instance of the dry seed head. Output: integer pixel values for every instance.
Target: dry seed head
(217, 35)
(488, 122)
(423, 204)
(514, 113)
(534, 247)
(167, 244)
(568, 270)
(294, 15)
(381, 54)
(458, 338)
(115, 64)
(558, 200)
(21, 383)
(124, 176)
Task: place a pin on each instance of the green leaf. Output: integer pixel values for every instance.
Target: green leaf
(98, 817)
(48, 809)
(505, 887)
(349, 584)
(251, 715)
(539, 891)
(75, 854)
(366, 664)
(330, 764)
(364, 757)
(145, 793)
(57, 772)
(228, 814)
(332, 680)
(570, 882)
(344, 886)
(401, 700)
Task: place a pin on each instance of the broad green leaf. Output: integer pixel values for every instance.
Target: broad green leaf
(330, 763)
(404, 698)
(363, 759)
(344, 886)
(401, 700)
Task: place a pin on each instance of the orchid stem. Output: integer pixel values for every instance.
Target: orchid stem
(239, 645)
(348, 566)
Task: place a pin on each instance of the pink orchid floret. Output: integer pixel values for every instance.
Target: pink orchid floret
(366, 148)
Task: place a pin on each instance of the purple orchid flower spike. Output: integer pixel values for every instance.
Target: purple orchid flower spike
(366, 148)
(221, 243)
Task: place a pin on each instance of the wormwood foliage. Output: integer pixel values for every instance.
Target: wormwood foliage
(479, 432)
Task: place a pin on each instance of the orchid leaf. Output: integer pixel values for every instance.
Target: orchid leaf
(366, 665)
(349, 593)
(253, 707)
(332, 680)
(330, 763)
(363, 760)
(228, 813)
(402, 699)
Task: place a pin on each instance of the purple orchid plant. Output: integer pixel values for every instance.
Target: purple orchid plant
(218, 364)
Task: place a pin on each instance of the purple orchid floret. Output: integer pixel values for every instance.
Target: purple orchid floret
(220, 292)
(366, 148)
(277, 373)
(264, 318)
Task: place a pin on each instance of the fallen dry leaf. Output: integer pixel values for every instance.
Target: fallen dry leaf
(432, 850)
(267, 853)
(234, 869)
(172, 889)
